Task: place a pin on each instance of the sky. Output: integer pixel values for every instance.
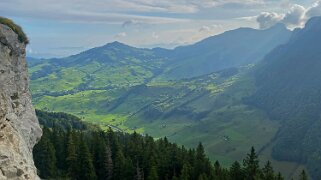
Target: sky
(58, 28)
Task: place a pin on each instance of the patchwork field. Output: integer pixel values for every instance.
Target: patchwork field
(207, 109)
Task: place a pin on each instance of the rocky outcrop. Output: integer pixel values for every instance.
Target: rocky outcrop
(19, 127)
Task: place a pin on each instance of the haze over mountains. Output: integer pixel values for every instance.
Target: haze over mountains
(241, 88)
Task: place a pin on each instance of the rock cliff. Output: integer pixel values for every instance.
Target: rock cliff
(19, 127)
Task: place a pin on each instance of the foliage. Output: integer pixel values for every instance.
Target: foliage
(289, 91)
(16, 28)
(62, 120)
(89, 154)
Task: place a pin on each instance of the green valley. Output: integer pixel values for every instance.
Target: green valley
(198, 93)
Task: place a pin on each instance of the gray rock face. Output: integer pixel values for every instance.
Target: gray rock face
(19, 127)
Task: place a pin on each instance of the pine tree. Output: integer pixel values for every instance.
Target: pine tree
(72, 170)
(236, 171)
(119, 166)
(268, 172)
(139, 173)
(279, 177)
(251, 165)
(175, 178)
(202, 177)
(202, 164)
(58, 140)
(186, 171)
(46, 156)
(85, 166)
(109, 166)
(153, 175)
(217, 169)
(303, 175)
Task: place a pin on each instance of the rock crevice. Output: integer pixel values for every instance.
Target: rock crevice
(19, 127)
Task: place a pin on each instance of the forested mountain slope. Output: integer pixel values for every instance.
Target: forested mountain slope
(289, 89)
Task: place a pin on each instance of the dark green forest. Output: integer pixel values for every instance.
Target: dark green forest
(69, 149)
(289, 90)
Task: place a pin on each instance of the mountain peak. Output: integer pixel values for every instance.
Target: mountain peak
(116, 44)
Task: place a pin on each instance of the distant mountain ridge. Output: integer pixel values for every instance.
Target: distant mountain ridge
(233, 48)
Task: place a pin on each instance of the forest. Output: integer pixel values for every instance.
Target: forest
(75, 151)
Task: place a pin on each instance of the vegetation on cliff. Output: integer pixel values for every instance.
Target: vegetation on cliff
(16, 28)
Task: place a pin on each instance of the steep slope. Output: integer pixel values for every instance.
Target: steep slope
(19, 128)
(231, 49)
(289, 90)
(113, 65)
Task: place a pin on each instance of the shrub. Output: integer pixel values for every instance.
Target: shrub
(17, 29)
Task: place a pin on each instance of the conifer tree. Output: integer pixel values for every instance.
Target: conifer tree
(279, 177)
(139, 173)
(119, 166)
(202, 177)
(303, 175)
(217, 169)
(58, 140)
(236, 171)
(186, 172)
(199, 162)
(175, 178)
(46, 157)
(153, 175)
(72, 169)
(85, 164)
(109, 166)
(268, 172)
(251, 165)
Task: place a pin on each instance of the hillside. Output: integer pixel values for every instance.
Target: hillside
(129, 89)
(116, 65)
(289, 90)
(233, 48)
(83, 153)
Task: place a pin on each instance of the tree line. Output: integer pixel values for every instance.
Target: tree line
(91, 154)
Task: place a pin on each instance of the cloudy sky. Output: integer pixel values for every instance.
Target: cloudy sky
(59, 28)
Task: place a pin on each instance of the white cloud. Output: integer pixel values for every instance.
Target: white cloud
(268, 19)
(82, 11)
(295, 16)
(120, 35)
(247, 18)
(145, 22)
(315, 10)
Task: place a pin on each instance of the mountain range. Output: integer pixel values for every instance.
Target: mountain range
(242, 88)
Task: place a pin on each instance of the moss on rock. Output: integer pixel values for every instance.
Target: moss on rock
(16, 28)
